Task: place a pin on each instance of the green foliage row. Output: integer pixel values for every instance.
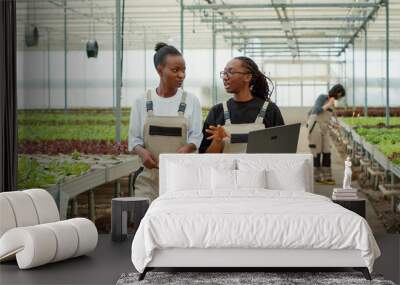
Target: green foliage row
(70, 132)
(42, 117)
(387, 140)
(370, 121)
(32, 174)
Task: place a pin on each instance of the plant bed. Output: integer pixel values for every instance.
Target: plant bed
(48, 117)
(368, 122)
(58, 117)
(386, 208)
(124, 110)
(36, 173)
(98, 121)
(73, 174)
(65, 168)
(70, 132)
(55, 147)
(386, 140)
(372, 111)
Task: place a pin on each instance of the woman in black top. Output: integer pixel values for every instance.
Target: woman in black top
(250, 90)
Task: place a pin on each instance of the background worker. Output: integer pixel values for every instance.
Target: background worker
(318, 135)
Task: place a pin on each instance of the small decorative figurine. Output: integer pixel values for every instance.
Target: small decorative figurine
(347, 174)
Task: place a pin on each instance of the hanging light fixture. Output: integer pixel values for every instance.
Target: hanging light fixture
(31, 30)
(92, 47)
(31, 35)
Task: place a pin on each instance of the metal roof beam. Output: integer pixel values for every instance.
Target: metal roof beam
(283, 43)
(286, 48)
(288, 55)
(363, 25)
(282, 5)
(297, 19)
(284, 37)
(85, 15)
(286, 51)
(227, 30)
(287, 29)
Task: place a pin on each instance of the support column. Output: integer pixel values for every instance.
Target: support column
(48, 71)
(231, 43)
(181, 23)
(113, 63)
(354, 81)
(91, 206)
(214, 38)
(301, 93)
(118, 66)
(117, 188)
(344, 71)
(366, 73)
(65, 59)
(145, 59)
(74, 207)
(387, 64)
(328, 85)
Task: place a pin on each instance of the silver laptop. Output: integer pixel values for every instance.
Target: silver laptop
(281, 139)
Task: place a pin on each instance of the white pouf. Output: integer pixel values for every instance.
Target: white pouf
(31, 232)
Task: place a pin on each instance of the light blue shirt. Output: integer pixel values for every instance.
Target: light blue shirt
(319, 103)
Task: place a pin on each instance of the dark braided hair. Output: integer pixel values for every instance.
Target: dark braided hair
(162, 50)
(259, 85)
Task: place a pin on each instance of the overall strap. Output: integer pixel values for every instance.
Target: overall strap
(262, 113)
(227, 116)
(149, 103)
(182, 104)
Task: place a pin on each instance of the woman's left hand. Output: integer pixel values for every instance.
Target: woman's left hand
(217, 133)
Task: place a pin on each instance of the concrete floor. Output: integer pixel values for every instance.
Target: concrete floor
(106, 264)
(103, 266)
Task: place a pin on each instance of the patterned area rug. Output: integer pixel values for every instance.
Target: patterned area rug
(269, 278)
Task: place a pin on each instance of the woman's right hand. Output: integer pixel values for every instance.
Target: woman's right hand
(331, 101)
(329, 104)
(148, 159)
(218, 133)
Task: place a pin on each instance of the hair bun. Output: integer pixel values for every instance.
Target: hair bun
(159, 46)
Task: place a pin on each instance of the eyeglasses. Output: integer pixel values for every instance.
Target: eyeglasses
(222, 74)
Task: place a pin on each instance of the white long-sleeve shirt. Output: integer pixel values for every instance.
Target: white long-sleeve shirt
(165, 107)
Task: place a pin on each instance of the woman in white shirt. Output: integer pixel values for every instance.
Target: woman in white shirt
(165, 120)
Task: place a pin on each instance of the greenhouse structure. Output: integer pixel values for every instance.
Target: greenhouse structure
(108, 107)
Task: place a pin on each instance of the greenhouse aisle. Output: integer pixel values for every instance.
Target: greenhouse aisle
(337, 172)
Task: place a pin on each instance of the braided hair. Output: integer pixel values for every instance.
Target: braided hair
(259, 85)
(162, 50)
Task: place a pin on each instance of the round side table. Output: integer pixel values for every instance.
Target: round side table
(119, 215)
